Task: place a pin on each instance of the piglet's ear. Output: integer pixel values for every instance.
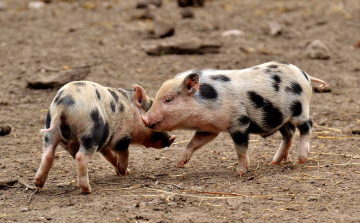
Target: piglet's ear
(191, 83)
(139, 95)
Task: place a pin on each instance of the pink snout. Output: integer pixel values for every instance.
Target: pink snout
(146, 121)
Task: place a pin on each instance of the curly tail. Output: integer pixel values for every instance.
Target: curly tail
(314, 79)
(52, 123)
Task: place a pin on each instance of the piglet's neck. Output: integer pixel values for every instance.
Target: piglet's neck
(139, 131)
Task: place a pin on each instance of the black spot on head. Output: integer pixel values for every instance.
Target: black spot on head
(97, 94)
(272, 115)
(272, 66)
(221, 78)
(283, 62)
(121, 107)
(240, 139)
(207, 91)
(66, 100)
(112, 106)
(122, 144)
(305, 75)
(115, 96)
(276, 83)
(80, 83)
(294, 88)
(296, 108)
(58, 96)
(48, 120)
(305, 127)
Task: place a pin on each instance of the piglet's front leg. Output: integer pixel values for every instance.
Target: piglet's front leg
(199, 139)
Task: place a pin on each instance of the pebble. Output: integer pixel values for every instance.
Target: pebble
(232, 32)
(273, 28)
(25, 209)
(4, 130)
(187, 13)
(189, 46)
(186, 3)
(36, 4)
(3, 6)
(317, 50)
(318, 89)
(144, 3)
(163, 29)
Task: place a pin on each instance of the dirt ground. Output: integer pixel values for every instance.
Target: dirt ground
(107, 36)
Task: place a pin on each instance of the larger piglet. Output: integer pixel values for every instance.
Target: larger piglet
(260, 100)
(85, 117)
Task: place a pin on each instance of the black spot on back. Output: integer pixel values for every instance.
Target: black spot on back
(221, 78)
(104, 136)
(115, 96)
(306, 76)
(272, 66)
(97, 132)
(122, 144)
(272, 115)
(240, 139)
(112, 106)
(58, 96)
(97, 94)
(121, 107)
(294, 88)
(276, 83)
(207, 91)
(80, 83)
(123, 92)
(296, 108)
(305, 127)
(283, 62)
(244, 120)
(48, 120)
(66, 100)
(252, 127)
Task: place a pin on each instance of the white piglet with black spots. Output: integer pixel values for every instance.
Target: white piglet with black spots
(259, 100)
(85, 117)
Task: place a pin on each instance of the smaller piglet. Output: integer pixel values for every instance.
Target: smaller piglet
(258, 100)
(86, 117)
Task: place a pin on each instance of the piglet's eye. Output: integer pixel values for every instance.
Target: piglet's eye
(168, 100)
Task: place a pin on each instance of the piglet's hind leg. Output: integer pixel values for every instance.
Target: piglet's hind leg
(287, 132)
(241, 141)
(47, 159)
(83, 159)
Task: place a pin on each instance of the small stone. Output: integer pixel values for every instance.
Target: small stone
(3, 6)
(273, 28)
(145, 3)
(36, 4)
(186, 3)
(64, 184)
(163, 29)
(4, 130)
(317, 50)
(25, 209)
(187, 13)
(232, 32)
